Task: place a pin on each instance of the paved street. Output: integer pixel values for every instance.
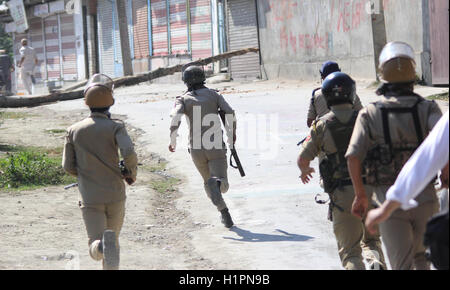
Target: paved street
(278, 224)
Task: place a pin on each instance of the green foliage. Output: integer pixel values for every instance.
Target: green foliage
(442, 97)
(6, 42)
(31, 168)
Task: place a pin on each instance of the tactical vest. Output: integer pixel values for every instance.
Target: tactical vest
(384, 162)
(333, 167)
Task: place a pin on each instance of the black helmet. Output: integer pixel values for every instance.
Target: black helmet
(338, 88)
(328, 68)
(193, 75)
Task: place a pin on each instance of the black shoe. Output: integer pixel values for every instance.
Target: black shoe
(226, 218)
(110, 250)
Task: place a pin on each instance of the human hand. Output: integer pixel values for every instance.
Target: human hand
(374, 218)
(171, 148)
(307, 175)
(130, 180)
(360, 206)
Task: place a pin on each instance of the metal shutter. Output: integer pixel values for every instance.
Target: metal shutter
(118, 62)
(140, 29)
(200, 28)
(52, 48)
(68, 45)
(178, 27)
(243, 33)
(105, 35)
(36, 41)
(159, 27)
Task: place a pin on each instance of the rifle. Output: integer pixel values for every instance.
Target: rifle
(70, 185)
(301, 142)
(234, 154)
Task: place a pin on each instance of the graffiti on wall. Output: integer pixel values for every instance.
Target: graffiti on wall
(324, 19)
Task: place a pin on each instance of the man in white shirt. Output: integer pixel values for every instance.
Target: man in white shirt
(27, 64)
(417, 173)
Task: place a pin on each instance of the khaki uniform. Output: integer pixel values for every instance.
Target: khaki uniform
(352, 239)
(403, 232)
(318, 105)
(91, 152)
(206, 145)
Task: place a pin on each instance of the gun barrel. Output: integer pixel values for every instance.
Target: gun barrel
(70, 185)
(238, 162)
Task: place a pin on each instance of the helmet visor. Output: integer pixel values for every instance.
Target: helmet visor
(394, 50)
(100, 80)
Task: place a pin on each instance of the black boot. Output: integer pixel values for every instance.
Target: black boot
(226, 218)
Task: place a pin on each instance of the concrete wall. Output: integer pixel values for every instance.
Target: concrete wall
(408, 21)
(297, 36)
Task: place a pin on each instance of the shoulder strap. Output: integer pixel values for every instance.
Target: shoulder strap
(401, 110)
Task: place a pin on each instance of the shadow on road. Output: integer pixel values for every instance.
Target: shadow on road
(248, 236)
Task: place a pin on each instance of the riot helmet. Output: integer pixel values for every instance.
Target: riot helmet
(328, 68)
(397, 64)
(193, 75)
(99, 92)
(338, 88)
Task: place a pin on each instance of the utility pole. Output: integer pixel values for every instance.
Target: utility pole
(124, 38)
(378, 30)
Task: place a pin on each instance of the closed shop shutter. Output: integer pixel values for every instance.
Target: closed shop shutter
(118, 63)
(36, 41)
(178, 27)
(68, 47)
(243, 33)
(159, 27)
(140, 29)
(105, 35)
(200, 28)
(52, 48)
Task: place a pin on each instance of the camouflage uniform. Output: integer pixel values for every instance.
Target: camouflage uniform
(386, 134)
(352, 239)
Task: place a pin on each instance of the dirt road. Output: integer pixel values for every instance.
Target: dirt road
(278, 224)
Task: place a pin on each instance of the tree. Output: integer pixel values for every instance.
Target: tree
(6, 42)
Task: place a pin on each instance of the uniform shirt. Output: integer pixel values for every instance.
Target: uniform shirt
(201, 109)
(368, 131)
(423, 165)
(30, 56)
(318, 106)
(91, 153)
(320, 139)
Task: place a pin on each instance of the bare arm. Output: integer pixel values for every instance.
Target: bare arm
(306, 171)
(379, 215)
(361, 203)
(21, 61)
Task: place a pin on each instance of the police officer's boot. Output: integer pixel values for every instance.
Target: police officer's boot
(111, 256)
(226, 218)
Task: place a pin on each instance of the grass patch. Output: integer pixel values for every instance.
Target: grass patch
(157, 167)
(164, 184)
(25, 168)
(161, 181)
(12, 115)
(55, 131)
(442, 97)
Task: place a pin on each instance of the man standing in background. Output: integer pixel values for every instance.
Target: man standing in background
(27, 64)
